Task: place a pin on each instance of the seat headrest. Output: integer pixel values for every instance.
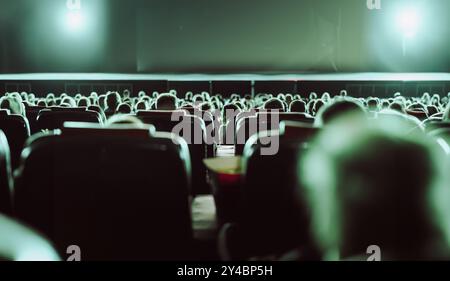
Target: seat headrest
(67, 109)
(160, 113)
(417, 113)
(294, 130)
(92, 129)
(35, 108)
(189, 109)
(4, 112)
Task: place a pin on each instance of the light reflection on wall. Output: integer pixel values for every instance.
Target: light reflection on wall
(63, 36)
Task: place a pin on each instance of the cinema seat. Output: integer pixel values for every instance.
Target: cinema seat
(297, 131)
(245, 128)
(289, 132)
(143, 131)
(17, 130)
(117, 197)
(418, 114)
(161, 119)
(198, 148)
(435, 125)
(6, 178)
(285, 116)
(244, 114)
(54, 118)
(431, 119)
(97, 108)
(231, 127)
(271, 220)
(264, 123)
(212, 124)
(444, 135)
(438, 116)
(32, 113)
(230, 123)
(189, 109)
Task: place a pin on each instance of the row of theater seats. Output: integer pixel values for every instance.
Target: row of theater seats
(273, 216)
(123, 192)
(82, 183)
(98, 188)
(248, 123)
(117, 192)
(270, 220)
(19, 129)
(115, 195)
(43, 119)
(105, 191)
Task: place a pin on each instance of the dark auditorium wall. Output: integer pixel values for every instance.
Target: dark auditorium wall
(221, 36)
(253, 35)
(34, 37)
(289, 36)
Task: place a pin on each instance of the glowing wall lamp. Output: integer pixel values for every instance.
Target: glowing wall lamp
(74, 16)
(408, 23)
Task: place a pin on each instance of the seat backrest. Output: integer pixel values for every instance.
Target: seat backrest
(263, 121)
(67, 109)
(212, 122)
(98, 109)
(160, 114)
(418, 114)
(285, 116)
(161, 119)
(272, 220)
(54, 119)
(266, 121)
(96, 130)
(17, 131)
(441, 132)
(6, 179)
(200, 147)
(32, 113)
(299, 131)
(245, 128)
(196, 138)
(189, 109)
(431, 119)
(434, 125)
(438, 115)
(244, 114)
(116, 197)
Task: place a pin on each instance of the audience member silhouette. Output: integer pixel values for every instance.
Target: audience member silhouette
(371, 184)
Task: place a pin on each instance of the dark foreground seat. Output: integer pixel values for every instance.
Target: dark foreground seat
(32, 113)
(6, 179)
(435, 125)
(264, 121)
(17, 131)
(117, 197)
(273, 217)
(194, 131)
